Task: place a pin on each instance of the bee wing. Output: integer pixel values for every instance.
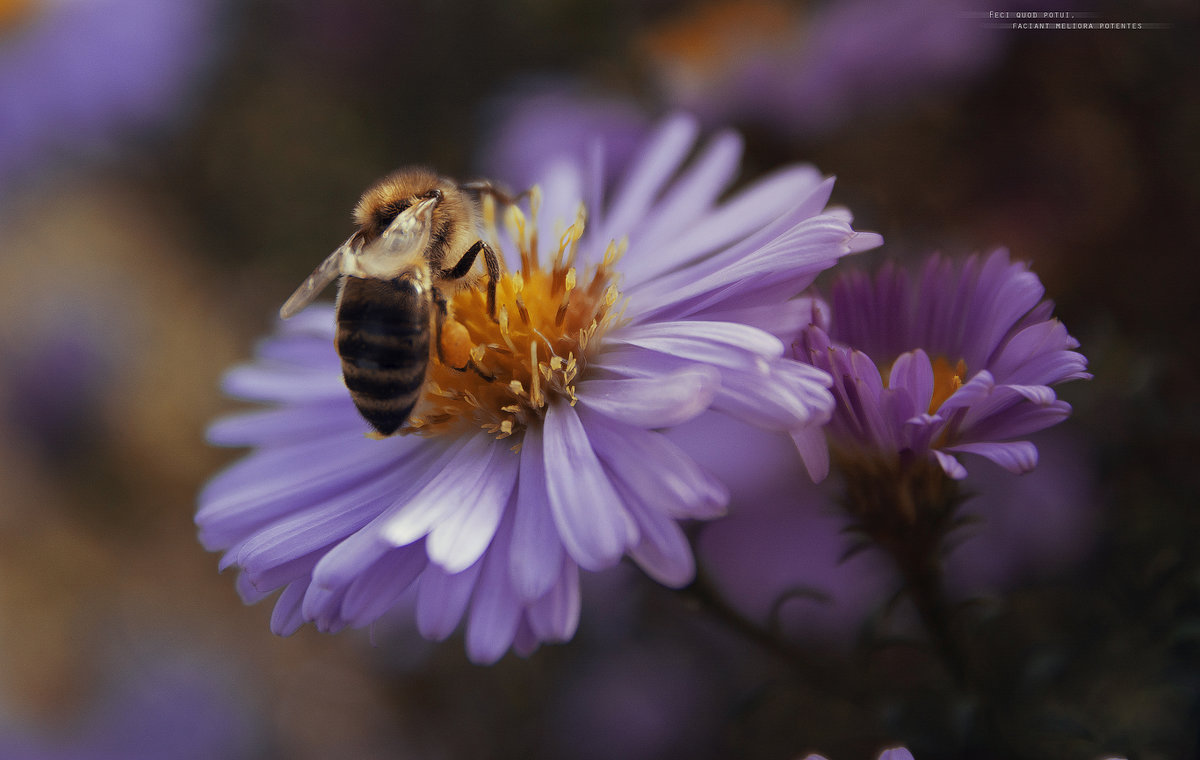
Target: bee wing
(324, 274)
(411, 228)
(401, 246)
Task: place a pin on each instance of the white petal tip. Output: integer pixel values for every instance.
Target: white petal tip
(864, 241)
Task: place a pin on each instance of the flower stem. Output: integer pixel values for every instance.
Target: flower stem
(908, 508)
(922, 574)
(703, 593)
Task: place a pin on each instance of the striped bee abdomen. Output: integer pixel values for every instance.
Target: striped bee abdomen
(383, 339)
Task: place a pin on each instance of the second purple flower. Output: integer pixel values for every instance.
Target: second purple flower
(961, 360)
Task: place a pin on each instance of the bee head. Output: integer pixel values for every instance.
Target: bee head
(401, 243)
(394, 194)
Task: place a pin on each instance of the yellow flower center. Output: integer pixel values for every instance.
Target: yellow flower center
(710, 37)
(500, 373)
(946, 380)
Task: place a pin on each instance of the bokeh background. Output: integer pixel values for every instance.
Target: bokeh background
(169, 171)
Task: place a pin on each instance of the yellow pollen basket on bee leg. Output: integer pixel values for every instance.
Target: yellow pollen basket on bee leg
(548, 319)
(456, 343)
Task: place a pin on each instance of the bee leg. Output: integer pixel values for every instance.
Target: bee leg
(467, 261)
(439, 319)
(493, 270)
(484, 187)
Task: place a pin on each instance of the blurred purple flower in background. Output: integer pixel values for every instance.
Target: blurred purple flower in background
(960, 362)
(1040, 525)
(177, 708)
(763, 62)
(63, 358)
(76, 75)
(540, 123)
(496, 531)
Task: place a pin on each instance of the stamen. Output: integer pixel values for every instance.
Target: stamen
(615, 252)
(611, 294)
(504, 331)
(535, 205)
(518, 286)
(535, 202)
(515, 221)
(570, 238)
(535, 392)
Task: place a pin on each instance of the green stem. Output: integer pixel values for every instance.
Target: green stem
(907, 508)
(922, 574)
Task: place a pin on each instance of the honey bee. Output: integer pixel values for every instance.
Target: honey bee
(417, 242)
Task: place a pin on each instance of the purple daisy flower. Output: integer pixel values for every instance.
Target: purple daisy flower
(76, 74)
(507, 487)
(960, 362)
